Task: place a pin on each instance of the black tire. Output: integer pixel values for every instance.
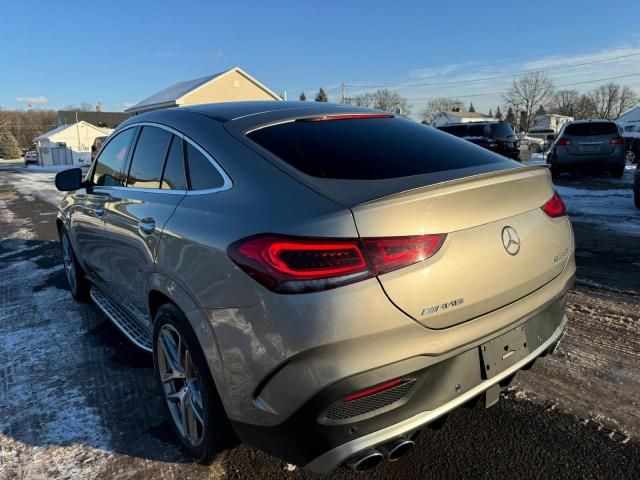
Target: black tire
(218, 434)
(555, 171)
(636, 195)
(617, 172)
(81, 286)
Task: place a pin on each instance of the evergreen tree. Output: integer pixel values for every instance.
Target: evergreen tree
(321, 96)
(490, 113)
(511, 117)
(498, 114)
(303, 97)
(541, 110)
(471, 108)
(9, 148)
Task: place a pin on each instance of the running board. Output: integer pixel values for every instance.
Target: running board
(125, 322)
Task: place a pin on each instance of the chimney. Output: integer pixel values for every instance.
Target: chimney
(98, 107)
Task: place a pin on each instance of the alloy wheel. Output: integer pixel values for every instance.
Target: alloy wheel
(181, 386)
(69, 263)
(631, 156)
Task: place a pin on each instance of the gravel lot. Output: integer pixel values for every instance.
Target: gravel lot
(78, 401)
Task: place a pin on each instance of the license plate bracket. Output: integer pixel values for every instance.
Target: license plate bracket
(503, 352)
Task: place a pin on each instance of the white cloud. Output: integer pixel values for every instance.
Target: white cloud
(33, 100)
(476, 81)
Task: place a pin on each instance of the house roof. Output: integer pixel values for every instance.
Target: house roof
(62, 128)
(631, 115)
(171, 96)
(99, 119)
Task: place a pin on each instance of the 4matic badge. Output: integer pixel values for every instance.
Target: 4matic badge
(442, 306)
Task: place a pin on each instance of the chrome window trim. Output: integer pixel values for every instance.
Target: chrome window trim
(228, 183)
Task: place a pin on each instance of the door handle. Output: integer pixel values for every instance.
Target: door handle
(99, 212)
(147, 225)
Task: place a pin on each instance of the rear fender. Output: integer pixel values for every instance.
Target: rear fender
(197, 319)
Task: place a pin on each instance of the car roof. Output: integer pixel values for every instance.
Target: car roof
(229, 111)
(590, 120)
(467, 123)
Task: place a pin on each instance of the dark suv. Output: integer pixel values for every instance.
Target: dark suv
(495, 136)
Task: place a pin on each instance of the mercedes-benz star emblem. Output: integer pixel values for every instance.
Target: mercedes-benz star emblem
(510, 240)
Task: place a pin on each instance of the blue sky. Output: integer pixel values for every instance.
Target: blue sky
(117, 53)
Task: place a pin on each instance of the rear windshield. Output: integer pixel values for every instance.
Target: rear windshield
(501, 130)
(591, 129)
(369, 149)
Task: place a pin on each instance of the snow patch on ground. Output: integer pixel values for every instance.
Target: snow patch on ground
(38, 184)
(47, 428)
(612, 209)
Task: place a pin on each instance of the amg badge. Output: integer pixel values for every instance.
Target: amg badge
(442, 306)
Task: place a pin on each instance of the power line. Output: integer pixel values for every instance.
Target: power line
(501, 93)
(497, 77)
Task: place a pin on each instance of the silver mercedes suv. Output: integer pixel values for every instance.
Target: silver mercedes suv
(320, 281)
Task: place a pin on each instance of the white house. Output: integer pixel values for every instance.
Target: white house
(445, 118)
(550, 121)
(630, 122)
(68, 144)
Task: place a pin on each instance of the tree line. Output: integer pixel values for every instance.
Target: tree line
(526, 97)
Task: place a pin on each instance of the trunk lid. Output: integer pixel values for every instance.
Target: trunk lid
(591, 145)
(473, 273)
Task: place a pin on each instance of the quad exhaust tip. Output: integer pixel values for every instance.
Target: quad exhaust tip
(396, 449)
(392, 451)
(365, 461)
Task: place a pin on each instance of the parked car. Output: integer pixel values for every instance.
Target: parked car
(535, 145)
(631, 134)
(495, 136)
(31, 157)
(261, 251)
(588, 145)
(636, 186)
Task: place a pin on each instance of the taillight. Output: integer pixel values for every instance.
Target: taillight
(373, 390)
(388, 254)
(563, 142)
(617, 141)
(298, 264)
(555, 207)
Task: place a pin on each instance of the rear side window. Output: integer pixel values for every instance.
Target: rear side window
(202, 174)
(457, 130)
(174, 177)
(369, 149)
(110, 163)
(148, 158)
(591, 129)
(475, 131)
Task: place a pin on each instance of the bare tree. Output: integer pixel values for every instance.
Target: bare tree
(437, 105)
(610, 100)
(585, 107)
(390, 102)
(528, 93)
(362, 100)
(564, 102)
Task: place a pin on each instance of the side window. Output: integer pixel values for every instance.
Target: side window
(174, 177)
(148, 158)
(111, 161)
(202, 173)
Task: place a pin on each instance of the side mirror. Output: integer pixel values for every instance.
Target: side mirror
(551, 138)
(69, 180)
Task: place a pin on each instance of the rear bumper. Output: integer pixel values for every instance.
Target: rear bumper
(566, 161)
(307, 438)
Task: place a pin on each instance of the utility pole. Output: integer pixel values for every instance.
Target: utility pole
(344, 97)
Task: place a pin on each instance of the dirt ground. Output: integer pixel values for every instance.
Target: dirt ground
(78, 401)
